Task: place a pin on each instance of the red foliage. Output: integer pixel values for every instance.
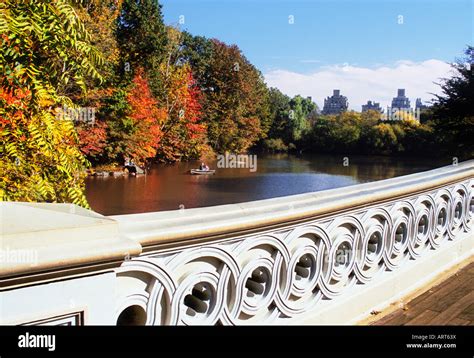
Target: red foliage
(184, 132)
(92, 139)
(192, 108)
(12, 111)
(146, 118)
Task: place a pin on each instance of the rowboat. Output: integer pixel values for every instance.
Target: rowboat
(202, 172)
(134, 169)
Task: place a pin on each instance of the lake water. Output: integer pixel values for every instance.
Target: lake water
(171, 187)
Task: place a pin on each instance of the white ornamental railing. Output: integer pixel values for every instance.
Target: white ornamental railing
(287, 260)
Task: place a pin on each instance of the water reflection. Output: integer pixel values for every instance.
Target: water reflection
(169, 187)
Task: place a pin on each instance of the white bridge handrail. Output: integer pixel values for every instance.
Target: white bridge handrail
(178, 225)
(326, 257)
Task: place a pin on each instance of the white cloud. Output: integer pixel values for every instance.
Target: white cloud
(361, 84)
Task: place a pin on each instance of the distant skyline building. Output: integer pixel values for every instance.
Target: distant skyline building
(419, 105)
(372, 106)
(336, 103)
(401, 101)
(401, 109)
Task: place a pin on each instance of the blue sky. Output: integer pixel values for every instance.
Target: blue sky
(327, 35)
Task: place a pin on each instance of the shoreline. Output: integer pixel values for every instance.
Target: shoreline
(110, 171)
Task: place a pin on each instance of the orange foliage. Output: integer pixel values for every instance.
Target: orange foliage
(184, 133)
(92, 139)
(147, 119)
(13, 102)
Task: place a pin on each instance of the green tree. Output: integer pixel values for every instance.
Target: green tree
(337, 133)
(416, 138)
(383, 139)
(120, 127)
(454, 109)
(279, 115)
(321, 137)
(142, 39)
(197, 52)
(300, 108)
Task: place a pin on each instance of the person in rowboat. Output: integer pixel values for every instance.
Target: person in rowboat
(204, 167)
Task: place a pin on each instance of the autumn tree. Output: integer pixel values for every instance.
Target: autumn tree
(236, 101)
(179, 99)
(147, 119)
(46, 52)
(92, 139)
(183, 132)
(134, 122)
(100, 20)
